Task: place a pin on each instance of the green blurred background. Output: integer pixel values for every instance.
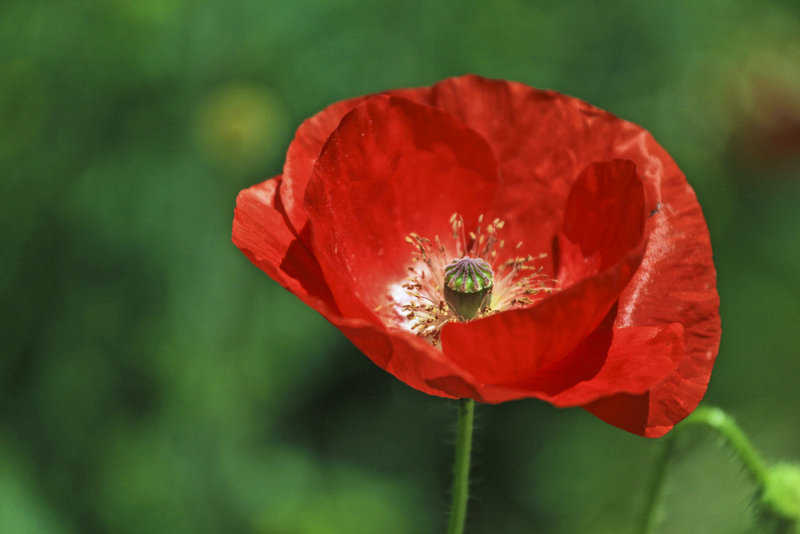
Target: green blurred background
(152, 380)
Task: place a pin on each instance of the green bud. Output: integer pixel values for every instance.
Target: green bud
(780, 499)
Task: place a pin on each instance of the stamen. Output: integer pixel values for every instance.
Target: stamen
(470, 283)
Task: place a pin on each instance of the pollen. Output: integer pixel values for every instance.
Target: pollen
(471, 280)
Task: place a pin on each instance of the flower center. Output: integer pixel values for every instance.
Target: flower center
(468, 283)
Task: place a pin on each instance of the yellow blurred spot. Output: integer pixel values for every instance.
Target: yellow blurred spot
(238, 125)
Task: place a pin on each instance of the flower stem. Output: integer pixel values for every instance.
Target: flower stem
(647, 519)
(458, 512)
(727, 428)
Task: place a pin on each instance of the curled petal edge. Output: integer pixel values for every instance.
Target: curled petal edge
(261, 232)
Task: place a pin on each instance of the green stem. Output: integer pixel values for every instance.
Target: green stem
(458, 512)
(647, 519)
(727, 428)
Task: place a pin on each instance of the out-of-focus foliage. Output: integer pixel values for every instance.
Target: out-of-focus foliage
(153, 381)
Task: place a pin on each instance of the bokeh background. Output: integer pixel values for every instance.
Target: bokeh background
(153, 381)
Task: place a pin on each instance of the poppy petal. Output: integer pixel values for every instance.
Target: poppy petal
(392, 168)
(638, 359)
(510, 346)
(505, 347)
(407, 357)
(260, 231)
(303, 153)
(596, 234)
(307, 144)
(677, 283)
(542, 139)
(607, 363)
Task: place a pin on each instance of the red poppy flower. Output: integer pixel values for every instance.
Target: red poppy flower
(483, 239)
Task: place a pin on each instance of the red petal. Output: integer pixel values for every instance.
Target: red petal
(303, 153)
(596, 234)
(677, 282)
(260, 231)
(541, 142)
(307, 144)
(608, 362)
(635, 360)
(391, 168)
(511, 346)
(542, 139)
(412, 360)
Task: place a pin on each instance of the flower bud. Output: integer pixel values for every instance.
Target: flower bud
(780, 499)
(468, 285)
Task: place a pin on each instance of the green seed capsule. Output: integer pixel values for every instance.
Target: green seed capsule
(468, 285)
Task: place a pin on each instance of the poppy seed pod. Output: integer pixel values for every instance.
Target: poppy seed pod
(467, 286)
